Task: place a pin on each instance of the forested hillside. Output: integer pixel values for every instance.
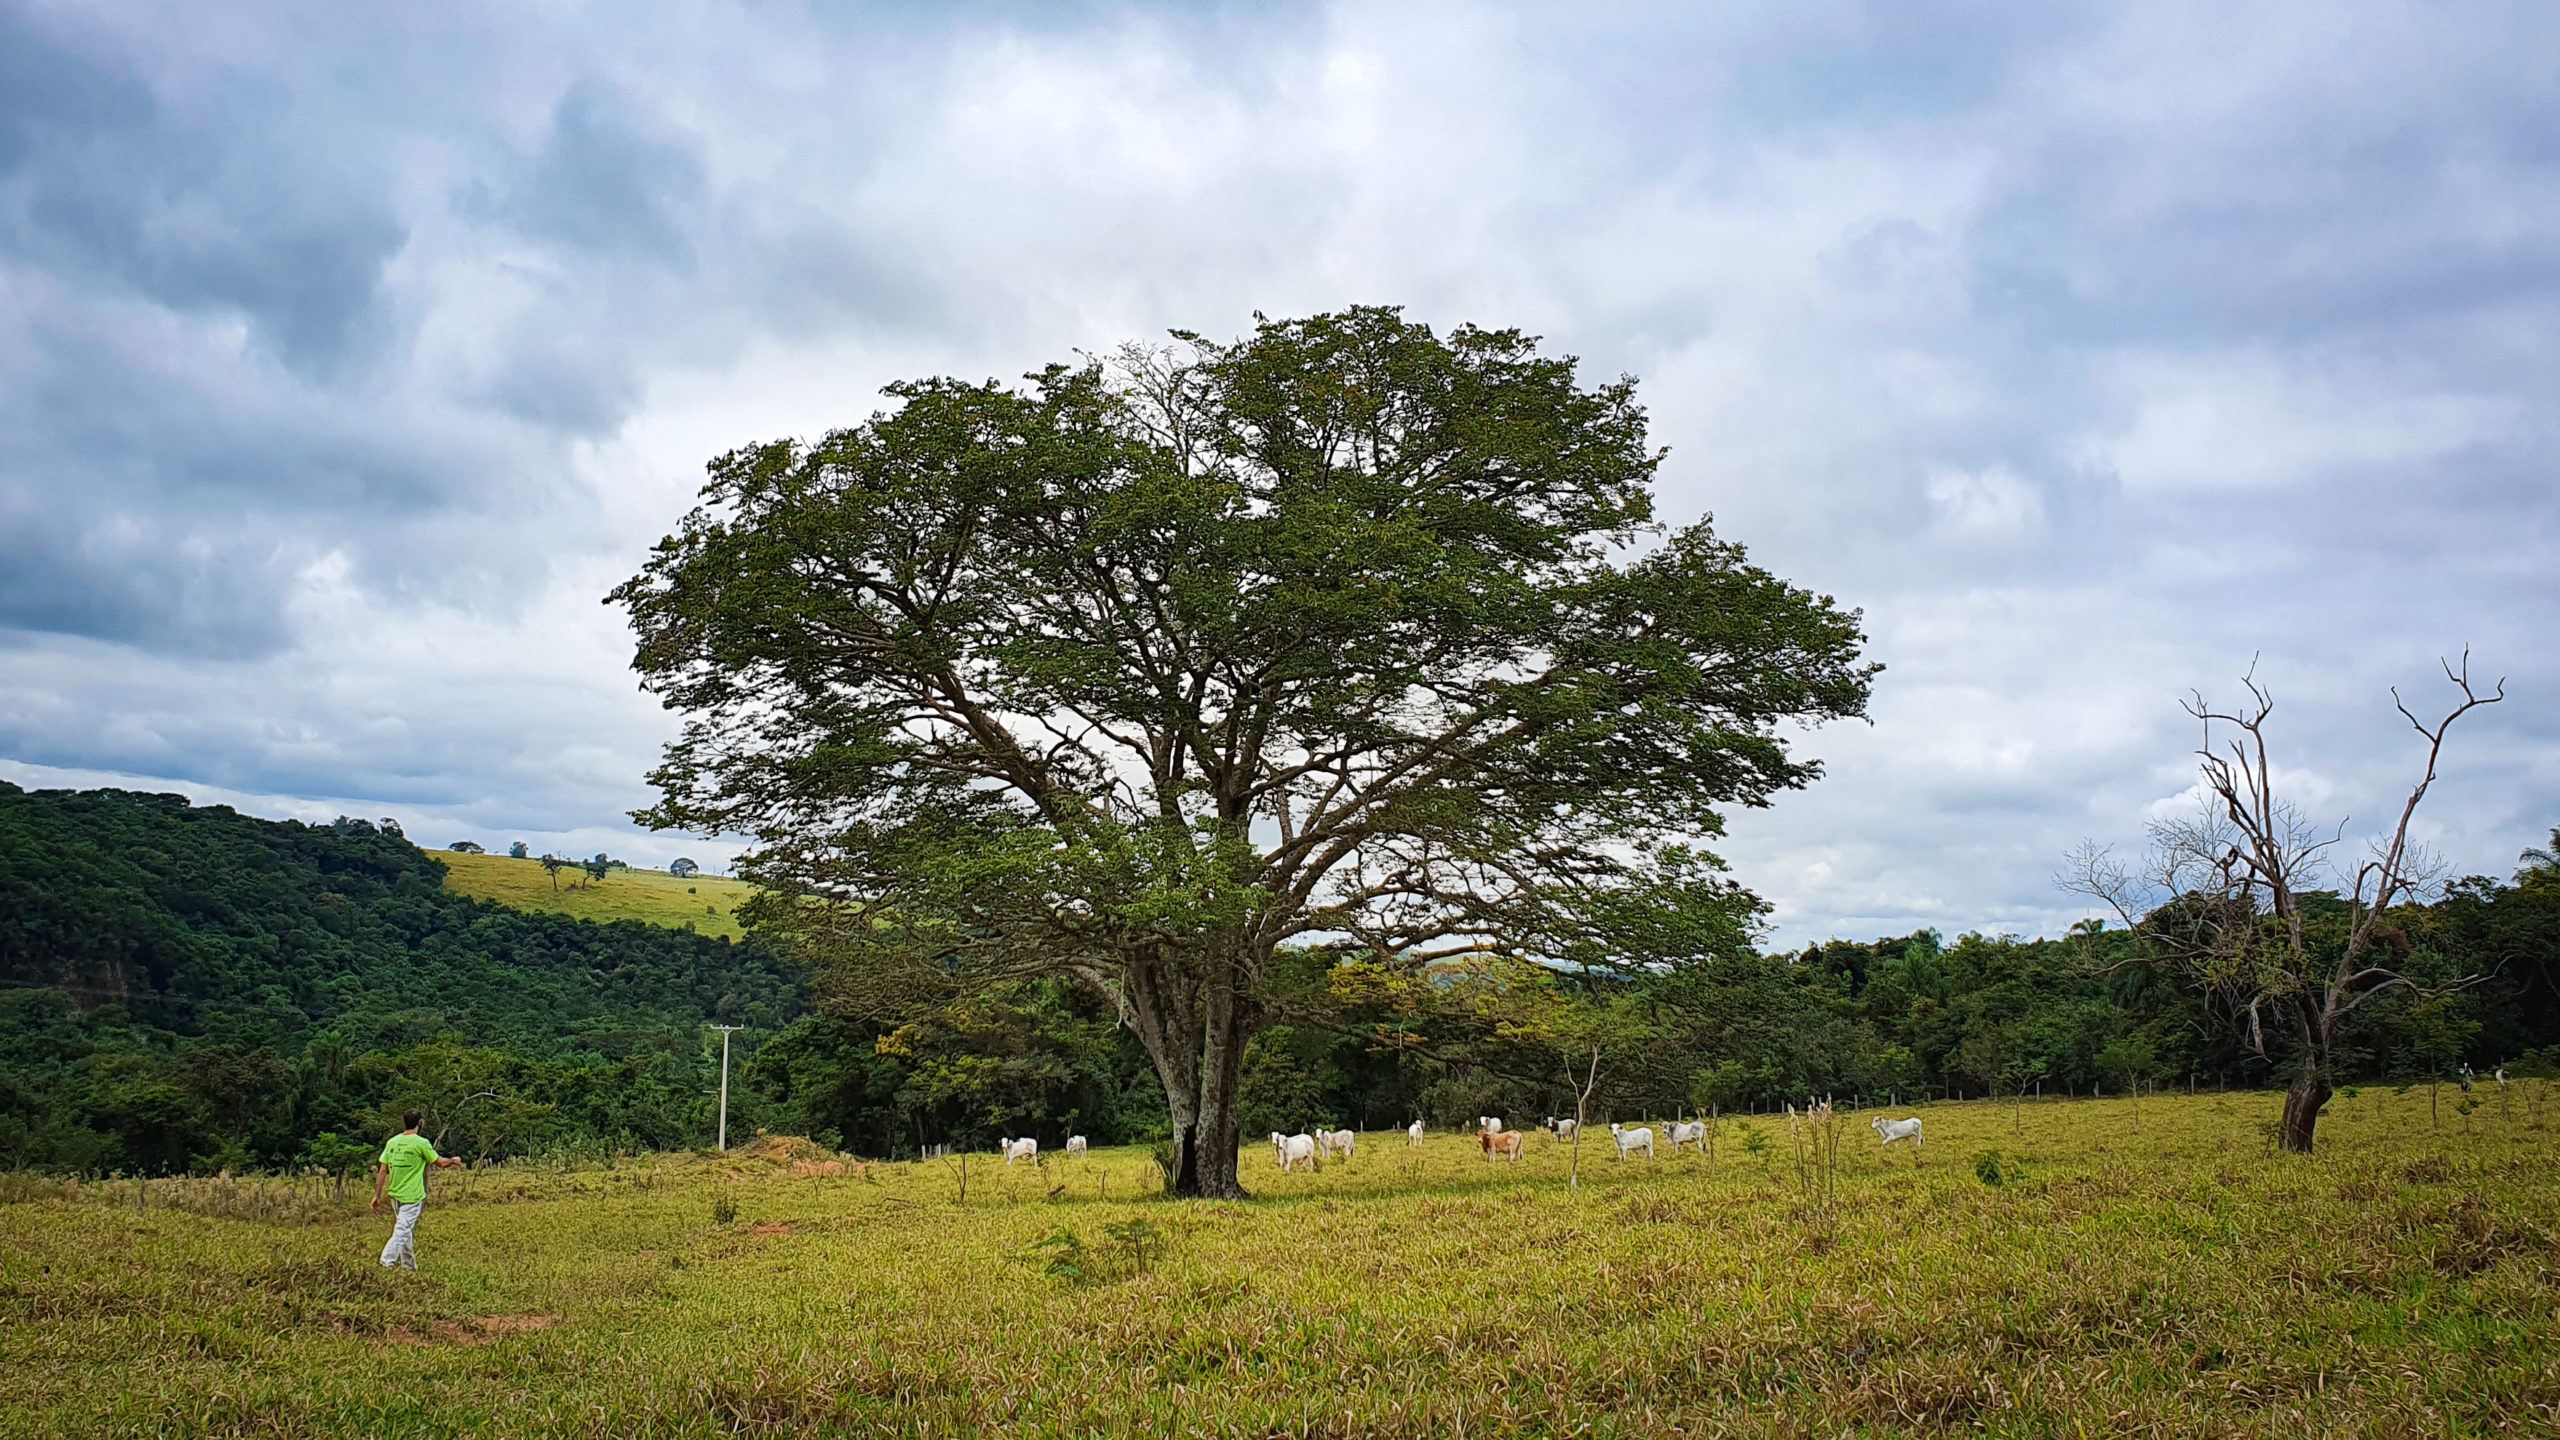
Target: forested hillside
(190, 987)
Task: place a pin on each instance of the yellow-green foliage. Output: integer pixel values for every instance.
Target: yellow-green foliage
(707, 905)
(2178, 1278)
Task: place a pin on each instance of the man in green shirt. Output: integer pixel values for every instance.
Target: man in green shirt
(402, 1170)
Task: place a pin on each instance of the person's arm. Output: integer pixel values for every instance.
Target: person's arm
(446, 1162)
(381, 1177)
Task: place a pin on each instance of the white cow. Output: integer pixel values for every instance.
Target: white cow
(1488, 1124)
(1075, 1144)
(1892, 1130)
(1025, 1148)
(1413, 1134)
(1288, 1150)
(1687, 1132)
(1630, 1141)
(1337, 1143)
(1562, 1129)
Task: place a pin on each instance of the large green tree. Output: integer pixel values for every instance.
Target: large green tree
(1343, 635)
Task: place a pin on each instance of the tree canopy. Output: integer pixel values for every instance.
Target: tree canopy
(1343, 635)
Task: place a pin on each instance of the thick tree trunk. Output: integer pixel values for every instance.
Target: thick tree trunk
(1194, 1027)
(2302, 1108)
(1227, 1026)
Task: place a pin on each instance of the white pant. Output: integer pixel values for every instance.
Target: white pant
(403, 1249)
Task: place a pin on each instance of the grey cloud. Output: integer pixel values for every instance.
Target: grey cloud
(610, 180)
(219, 209)
(48, 90)
(162, 589)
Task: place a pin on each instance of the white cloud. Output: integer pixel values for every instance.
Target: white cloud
(1991, 506)
(2238, 421)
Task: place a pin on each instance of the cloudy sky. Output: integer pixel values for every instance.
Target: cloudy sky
(349, 354)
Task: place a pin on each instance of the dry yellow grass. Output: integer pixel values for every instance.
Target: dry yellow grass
(703, 903)
(2175, 1280)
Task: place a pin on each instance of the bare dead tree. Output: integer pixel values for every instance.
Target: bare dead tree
(1581, 1116)
(2219, 894)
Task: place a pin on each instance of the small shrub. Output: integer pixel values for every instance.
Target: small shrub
(1135, 1237)
(724, 1208)
(1168, 1163)
(1059, 1254)
(1986, 1168)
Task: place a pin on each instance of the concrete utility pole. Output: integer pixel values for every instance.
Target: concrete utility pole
(725, 1032)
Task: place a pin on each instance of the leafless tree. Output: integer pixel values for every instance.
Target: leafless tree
(1581, 1116)
(2219, 893)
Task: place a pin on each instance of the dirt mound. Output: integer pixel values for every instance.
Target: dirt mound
(783, 1150)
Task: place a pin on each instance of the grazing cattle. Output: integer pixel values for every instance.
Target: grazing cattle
(1687, 1132)
(1892, 1130)
(1075, 1144)
(1337, 1142)
(1506, 1145)
(1563, 1129)
(1488, 1124)
(1025, 1148)
(1630, 1141)
(1413, 1134)
(1288, 1150)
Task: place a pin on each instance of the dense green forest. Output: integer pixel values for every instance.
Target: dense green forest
(187, 988)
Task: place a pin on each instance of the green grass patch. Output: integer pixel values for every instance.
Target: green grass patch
(699, 903)
(2181, 1279)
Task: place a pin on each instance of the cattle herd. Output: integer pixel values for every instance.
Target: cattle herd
(1498, 1143)
(1027, 1148)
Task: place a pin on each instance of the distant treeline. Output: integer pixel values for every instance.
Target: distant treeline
(187, 988)
(1903, 1017)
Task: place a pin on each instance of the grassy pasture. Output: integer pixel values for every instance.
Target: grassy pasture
(654, 896)
(2175, 1279)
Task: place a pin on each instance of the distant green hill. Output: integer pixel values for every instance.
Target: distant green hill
(187, 986)
(701, 902)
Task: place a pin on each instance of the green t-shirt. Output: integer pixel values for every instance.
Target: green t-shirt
(408, 1156)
